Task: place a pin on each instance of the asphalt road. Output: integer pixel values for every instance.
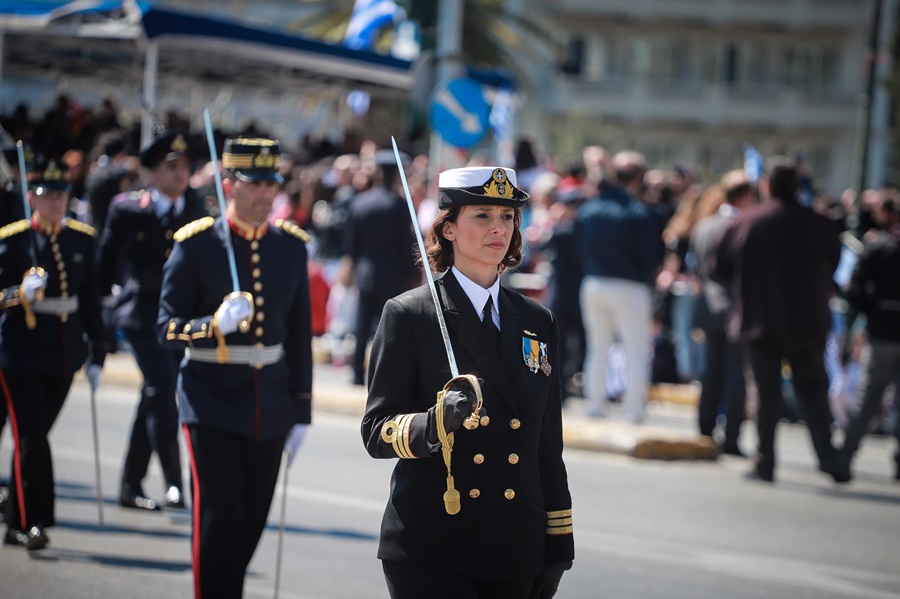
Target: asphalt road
(644, 529)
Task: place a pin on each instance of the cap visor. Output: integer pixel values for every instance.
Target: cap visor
(252, 177)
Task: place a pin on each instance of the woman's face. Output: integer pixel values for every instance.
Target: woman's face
(480, 236)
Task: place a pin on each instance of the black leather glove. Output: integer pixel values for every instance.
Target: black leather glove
(548, 582)
(459, 402)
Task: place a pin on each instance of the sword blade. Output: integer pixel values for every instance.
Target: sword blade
(454, 370)
(220, 194)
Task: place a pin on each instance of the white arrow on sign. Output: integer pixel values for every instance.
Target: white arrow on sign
(468, 122)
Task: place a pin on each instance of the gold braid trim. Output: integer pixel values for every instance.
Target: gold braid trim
(194, 227)
(293, 229)
(81, 227)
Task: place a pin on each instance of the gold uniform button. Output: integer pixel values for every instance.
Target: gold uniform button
(513, 458)
(63, 285)
(478, 459)
(254, 245)
(509, 494)
(54, 248)
(259, 331)
(260, 317)
(514, 424)
(259, 300)
(254, 258)
(53, 238)
(61, 265)
(484, 421)
(172, 325)
(63, 276)
(169, 234)
(257, 286)
(256, 273)
(474, 493)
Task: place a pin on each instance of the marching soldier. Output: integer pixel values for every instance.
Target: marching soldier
(46, 315)
(246, 377)
(506, 529)
(136, 241)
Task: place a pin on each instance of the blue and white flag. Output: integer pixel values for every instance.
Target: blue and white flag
(753, 163)
(368, 18)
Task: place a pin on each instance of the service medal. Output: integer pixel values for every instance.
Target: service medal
(545, 363)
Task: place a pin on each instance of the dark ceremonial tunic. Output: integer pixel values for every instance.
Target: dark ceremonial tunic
(136, 239)
(56, 346)
(261, 403)
(515, 503)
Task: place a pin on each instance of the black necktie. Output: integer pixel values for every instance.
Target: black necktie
(488, 324)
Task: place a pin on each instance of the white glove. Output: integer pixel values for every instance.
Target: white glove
(294, 441)
(32, 283)
(232, 311)
(93, 374)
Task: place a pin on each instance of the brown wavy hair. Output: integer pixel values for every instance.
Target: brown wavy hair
(439, 249)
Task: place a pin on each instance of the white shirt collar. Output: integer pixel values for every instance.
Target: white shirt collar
(161, 203)
(478, 295)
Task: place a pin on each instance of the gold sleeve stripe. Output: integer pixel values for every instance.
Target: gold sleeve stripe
(560, 530)
(559, 522)
(396, 432)
(560, 513)
(403, 436)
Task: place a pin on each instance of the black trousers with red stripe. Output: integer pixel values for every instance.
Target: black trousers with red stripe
(233, 480)
(34, 402)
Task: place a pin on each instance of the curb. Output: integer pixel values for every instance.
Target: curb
(579, 432)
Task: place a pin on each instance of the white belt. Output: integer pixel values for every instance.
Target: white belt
(56, 305)
(250, 355)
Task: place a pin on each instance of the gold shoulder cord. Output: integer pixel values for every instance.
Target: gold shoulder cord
(451, 496)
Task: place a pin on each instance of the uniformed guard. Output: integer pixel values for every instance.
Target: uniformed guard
(499, 526)
(46, 315)
(135, 243)
(246, 377)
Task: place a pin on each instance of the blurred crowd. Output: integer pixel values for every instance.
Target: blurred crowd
(623, 252)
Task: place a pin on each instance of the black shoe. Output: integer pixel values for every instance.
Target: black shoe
(135, 499)
(838, 469)
(174, 498)
(37, 539)
(756, 474)
(733, 449)
(15, 537)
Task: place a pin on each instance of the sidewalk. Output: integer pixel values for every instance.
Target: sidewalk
(669, 432)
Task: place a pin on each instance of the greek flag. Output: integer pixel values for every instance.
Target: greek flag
(368, 18)
(753, 163)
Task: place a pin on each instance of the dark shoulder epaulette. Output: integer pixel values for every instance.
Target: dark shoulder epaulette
(14, 228)
(292, 228)
(194, 227)
(77, 225)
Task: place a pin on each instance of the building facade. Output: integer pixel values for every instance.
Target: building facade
(692, 81)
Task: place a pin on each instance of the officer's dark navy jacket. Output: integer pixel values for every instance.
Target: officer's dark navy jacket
(515, 504)
(618, 237)
(39, 349)
(260, 403)
(133, 247)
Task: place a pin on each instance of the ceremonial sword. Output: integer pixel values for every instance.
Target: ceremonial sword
(221, 348)
(451, 496)
(30, 319)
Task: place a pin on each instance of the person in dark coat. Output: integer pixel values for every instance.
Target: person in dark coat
(136, 241)
(874, 289)
(245, 384)
(723, 376)
(778, 260)
(510, 534)
(378, 242)
(49, 327)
